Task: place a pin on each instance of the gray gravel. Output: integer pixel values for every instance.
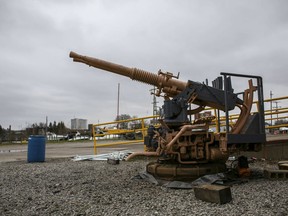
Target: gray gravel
(64, 187)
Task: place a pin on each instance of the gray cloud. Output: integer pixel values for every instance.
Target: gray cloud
(198, 38)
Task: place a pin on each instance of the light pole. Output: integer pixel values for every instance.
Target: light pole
(271, 107)
(276, 109)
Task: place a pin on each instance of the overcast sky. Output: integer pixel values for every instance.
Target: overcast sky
(199, 39)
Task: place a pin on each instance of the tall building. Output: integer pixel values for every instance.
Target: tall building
(79, 124)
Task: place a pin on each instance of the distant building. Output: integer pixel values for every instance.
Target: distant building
(79, 124)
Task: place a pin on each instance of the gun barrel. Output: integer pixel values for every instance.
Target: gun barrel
(170, 86)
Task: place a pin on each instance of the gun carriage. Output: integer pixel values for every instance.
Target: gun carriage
(185, 149)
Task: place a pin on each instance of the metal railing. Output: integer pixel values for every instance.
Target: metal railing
(271, 115)
(109, 129)
(276, 113)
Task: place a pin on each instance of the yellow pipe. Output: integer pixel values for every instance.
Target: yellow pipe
(277, 126)
(273, 99)
(94, 140)
(120, 143)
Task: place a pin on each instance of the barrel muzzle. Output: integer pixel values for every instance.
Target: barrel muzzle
(74, 55)
(77, 58)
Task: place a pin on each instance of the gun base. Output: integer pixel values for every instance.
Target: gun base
(180, 172)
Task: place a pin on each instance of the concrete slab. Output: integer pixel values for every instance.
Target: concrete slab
(213, 193)
(276, 174)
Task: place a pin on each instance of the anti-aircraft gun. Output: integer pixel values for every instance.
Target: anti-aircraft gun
(187, 150)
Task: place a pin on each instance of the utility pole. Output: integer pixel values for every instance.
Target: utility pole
(271, 107)
(118, 99)
(10, 135)
(46, 127)
(276, 107)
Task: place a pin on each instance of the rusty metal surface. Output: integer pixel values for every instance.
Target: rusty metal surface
(183, 172)
(190, 149)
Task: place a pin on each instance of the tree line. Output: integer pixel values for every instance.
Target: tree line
(7, 135)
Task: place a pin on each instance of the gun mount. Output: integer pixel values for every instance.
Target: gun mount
(188, 150)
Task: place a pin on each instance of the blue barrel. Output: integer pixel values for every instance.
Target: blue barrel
(36, 148)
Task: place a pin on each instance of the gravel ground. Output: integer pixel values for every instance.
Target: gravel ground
(64, 187)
